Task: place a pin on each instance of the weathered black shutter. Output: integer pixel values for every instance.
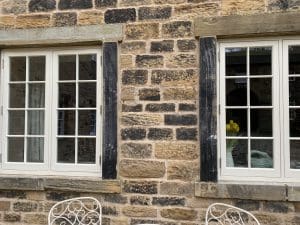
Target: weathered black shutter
(208, 109)
(110, 77)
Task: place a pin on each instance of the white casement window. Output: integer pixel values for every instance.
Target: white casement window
(259, 119)
(50, 111)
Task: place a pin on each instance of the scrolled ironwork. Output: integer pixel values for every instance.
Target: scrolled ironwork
(224, 214)
(76, 211)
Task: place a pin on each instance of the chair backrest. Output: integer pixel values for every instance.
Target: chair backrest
(224, 214)
(76, 211)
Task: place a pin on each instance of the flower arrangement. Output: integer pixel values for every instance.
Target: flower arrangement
(232, 129)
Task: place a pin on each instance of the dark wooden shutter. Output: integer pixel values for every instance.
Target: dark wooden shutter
(110, 78)
(208, 109)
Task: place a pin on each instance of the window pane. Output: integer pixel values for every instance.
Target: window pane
(35, 122)
(236, 61)
(66, 150)
(87, 95)
(15, 149)
(67, 67)
(17, 68)
(86, 150)
(294, 91)
(295, 122)
(295, 154)
(67, 95)
(236, 153)
(261, 61)
(37, 68)
(236, 122)
(66, 122)
(35, 150)
(261, 122)
(17, 96)
(261, 91)
(262, 153)
(236, 92)
(87, 67)
(294, 59)
(16, 122)
(36, 96)
(87, 122)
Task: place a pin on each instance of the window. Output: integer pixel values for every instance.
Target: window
(51, 113)
(259, 118)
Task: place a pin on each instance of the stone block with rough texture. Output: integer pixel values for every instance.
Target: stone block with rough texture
(179, 214)
(176, 151)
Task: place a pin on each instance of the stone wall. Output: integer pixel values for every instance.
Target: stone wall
(158, 154)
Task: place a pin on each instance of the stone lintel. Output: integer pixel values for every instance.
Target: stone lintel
(60, 35)
(248, 25)
(78, 184)
(241, 191)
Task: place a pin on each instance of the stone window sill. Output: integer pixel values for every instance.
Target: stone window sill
(276, 192)
(75, 184)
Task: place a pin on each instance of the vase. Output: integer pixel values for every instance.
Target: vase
(229, 159)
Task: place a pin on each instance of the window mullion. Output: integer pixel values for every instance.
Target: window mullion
(76, 110)
(248, 107)
(26, 108)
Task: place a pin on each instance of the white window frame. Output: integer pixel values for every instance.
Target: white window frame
(50, 166)
(280, 94)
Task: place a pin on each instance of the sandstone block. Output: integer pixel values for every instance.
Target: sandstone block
(173, 78)
(36, 195)
(148, 13)
(135, 2)
(11, 217)
(127, 93)
(35, 218)
(182, 170)
(277, 207)
(186, 45)
(177, 29)
(59, 196)
(119, 221)
(140, 187)
(134, 47)
(275, 5)
(141, 119)
(168, 201)
(90, 17)
(162, 46)
(142, 31)
(126, 61)
(163, 2)
(135, 211)
(7, 21)
(248, 205)
(14, 7)
(182, 61)
(133, 134)
(181, 120)
(176, 151)
(4, 205)
(115, 198)
(188, 11)
(142, 169)
(65, 19)
(75, 4)
(160, 134)
(120, 15)
(105, 3)
(163, 107)
(177, 188)
(140, 200)
(179, 214)
(41, 5)
(242, 7)
(187, 107)
(179, 94)
(134, 77)
(149, 94)
(135, 150)
(109, 210)
(132, 108)
(13, 194)
(149, 61)
(25, 207)
(33, 21)
(186, 134)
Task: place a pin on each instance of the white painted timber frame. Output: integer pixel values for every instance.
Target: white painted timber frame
(280, 104)
(50, 167)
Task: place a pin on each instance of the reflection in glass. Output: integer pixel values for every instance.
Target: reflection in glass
(87, 95)
(67, 67)
(66, 122)
(238, 117)
(261, 122)
(236, 153)
(294, 91)
(17, 95)
(15, 149)
(87, 67)
(36, 96)
(17, 68)
(294, 154)
(16, 122)
(35, 122)
(236, 61)
(261, 61)
(87, 122)
(37, 68)
(294, 122)
(66, 150)
(261, 153)
(67, 95)
(35, 150)
(86, 150)
(294, 59)
(236, 92)
(261, 91)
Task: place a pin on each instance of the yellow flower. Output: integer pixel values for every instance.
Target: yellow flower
(232, 127)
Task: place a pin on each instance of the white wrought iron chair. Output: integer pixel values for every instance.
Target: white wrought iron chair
(76, 211)
(224, 214)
